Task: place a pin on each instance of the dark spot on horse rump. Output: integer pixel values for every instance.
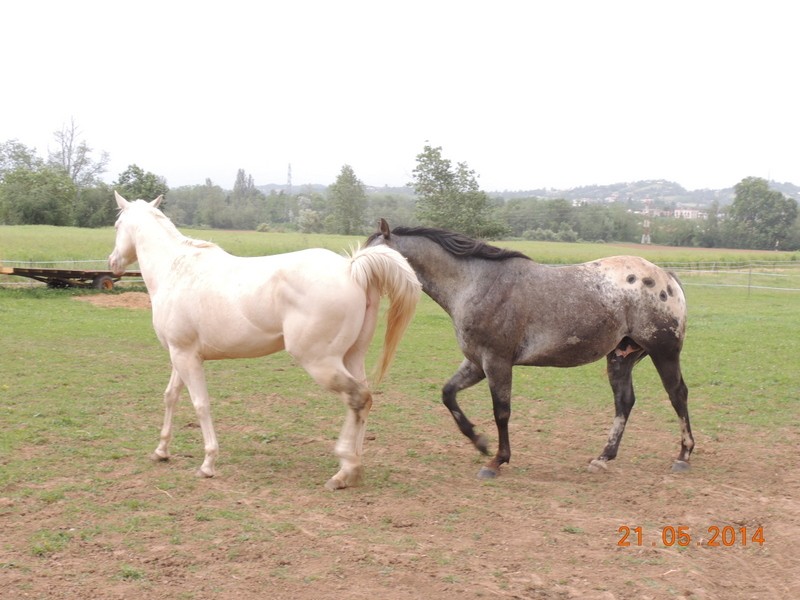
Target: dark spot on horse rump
(662, 296)
(669, 289)
(631, 278)
(649, 281)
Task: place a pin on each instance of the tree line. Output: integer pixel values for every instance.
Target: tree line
(66, 189)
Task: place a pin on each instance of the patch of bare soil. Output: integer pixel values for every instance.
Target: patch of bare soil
(421, 525)
(133, 300)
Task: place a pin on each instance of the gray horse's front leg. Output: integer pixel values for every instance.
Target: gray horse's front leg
(499, 378)
(468, 374)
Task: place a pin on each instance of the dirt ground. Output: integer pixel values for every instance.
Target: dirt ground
(132, 300)
(421, 525)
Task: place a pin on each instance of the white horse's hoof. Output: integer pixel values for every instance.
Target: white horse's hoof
(334, 484)
(201, 472)
(345, 479)
(156, 457)
(598, 466)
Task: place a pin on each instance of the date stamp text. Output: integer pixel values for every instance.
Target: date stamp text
(714, 536)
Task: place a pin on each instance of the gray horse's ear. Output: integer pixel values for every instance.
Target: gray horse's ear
(157, 201)
(121, 202)
(384, 226)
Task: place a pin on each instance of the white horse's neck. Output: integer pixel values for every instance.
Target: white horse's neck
(158, 243)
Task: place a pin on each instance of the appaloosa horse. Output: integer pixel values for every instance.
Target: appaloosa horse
(319, 306)
(508, 310)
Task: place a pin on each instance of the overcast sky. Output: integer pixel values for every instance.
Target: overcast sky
(529, 94)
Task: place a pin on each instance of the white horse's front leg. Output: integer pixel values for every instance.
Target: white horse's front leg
(190, 370)
(171, 396)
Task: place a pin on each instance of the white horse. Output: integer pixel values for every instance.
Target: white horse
(319, 306)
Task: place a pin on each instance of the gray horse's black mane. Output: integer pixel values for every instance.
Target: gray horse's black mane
(459, 244)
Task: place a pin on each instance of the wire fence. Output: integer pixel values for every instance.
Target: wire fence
(763, 275)
(100, 264)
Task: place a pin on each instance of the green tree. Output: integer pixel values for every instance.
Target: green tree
(244, 186)
(212, 208)
(710, 235)
(36, 197)
(93, 208)
(449, 196)
(185, 202)
(759, 217)
(134, 183)
(74, 157)
(395, 208)
(280, 207)
(14, 155)
(348, 203)
(247, 203)
(309, 221)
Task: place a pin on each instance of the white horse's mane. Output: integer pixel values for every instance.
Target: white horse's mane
(167, 224)
(198, 243)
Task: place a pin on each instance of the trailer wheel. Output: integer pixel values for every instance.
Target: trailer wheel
(103, 282)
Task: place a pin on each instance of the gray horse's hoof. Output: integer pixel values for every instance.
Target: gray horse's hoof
(598, 466)
(482, 444)
(487, 473)
(680, 466)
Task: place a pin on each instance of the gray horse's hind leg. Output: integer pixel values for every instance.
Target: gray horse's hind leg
(468, 374)
(669, 369)
(620, 363)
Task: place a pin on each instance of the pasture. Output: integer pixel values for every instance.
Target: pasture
(84, 513)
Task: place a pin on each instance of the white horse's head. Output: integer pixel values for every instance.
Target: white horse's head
(125, 246)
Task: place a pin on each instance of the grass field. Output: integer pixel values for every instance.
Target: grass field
(44, 243)
(85, 514)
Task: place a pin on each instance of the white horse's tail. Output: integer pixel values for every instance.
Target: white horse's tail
(386, 270)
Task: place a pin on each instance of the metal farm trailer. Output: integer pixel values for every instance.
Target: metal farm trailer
(65, 278)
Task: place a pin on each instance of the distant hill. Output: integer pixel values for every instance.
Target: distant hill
(659, 191)
(320, 188)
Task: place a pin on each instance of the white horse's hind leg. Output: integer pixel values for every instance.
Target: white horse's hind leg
(171, 396)
(350, 445)
(354, 362)
(358, 399)
(190, 370)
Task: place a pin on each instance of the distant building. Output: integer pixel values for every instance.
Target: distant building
(689, 213)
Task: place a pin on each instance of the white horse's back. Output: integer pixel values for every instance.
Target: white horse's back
(243, 307)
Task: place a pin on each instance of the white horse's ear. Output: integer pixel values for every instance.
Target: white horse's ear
(385, 228)
(157, 201)
(121, 202)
